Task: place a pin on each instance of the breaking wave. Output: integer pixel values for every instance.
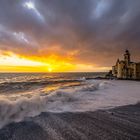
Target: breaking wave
(15, 110)
(89, 97)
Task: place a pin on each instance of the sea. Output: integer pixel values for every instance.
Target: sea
(25, 95)
(19, 83)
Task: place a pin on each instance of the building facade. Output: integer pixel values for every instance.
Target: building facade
(125, 69)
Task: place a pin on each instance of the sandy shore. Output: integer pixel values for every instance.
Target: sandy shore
(122, 123)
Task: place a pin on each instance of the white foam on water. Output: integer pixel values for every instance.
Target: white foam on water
(94, 95)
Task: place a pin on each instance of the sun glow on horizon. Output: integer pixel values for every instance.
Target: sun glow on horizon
(15, 63)
(12, 62)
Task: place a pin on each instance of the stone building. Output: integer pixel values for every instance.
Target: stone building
(125, 69)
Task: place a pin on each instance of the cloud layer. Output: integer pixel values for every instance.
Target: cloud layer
(88, 31)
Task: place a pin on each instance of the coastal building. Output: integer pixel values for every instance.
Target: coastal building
(125, 69)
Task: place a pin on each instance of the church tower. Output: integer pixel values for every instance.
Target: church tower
(127, 57)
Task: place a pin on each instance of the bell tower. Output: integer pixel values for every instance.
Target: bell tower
(127, 57)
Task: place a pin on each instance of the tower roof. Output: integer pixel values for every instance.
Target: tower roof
(127, 51)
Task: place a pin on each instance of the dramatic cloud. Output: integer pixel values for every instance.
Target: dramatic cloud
(83, 31)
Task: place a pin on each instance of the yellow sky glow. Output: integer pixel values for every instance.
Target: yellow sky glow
(15, 63)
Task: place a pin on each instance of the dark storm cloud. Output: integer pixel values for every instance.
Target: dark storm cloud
(99, 30)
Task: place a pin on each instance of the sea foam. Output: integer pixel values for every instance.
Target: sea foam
(89, 97)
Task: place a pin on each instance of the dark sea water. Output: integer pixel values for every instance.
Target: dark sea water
(21, 82)
(19, 77)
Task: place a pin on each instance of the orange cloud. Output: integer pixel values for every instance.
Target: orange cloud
(10, 62)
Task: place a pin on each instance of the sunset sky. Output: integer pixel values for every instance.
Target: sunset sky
(67, 35)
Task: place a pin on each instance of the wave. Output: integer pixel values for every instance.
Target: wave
(96, 94)
(58, 101)
(23, 86)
